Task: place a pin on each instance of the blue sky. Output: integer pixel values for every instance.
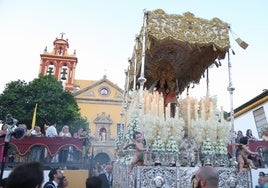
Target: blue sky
(103, 34)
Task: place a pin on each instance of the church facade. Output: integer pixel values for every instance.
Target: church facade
(100, 101)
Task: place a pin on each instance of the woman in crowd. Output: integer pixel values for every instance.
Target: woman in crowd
(63, 155)
(250, 136)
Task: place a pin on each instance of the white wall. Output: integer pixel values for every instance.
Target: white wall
(246, 120)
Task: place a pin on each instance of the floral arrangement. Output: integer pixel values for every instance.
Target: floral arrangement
(154, 127)
(166, 134)
(220, 148)
(158, 145)
(208, 148)
(172, 145)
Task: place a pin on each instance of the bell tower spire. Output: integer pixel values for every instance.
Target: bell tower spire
(59, 63)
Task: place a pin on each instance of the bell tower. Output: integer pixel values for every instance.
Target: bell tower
(59, 63)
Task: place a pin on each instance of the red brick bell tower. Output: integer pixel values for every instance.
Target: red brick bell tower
(59, 63)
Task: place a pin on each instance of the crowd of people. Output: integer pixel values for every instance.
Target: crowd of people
(39, 152)
(245, 157)
(31, 175)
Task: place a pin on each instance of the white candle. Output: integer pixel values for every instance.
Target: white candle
(221, 114)
(195, 109)
(188, 111)
(202, 109)
(168, 111)
(211, 108)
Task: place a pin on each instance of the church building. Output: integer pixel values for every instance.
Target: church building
(100, 101)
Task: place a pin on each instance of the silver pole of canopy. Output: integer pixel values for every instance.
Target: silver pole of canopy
(231, 91)
(135, 61)
(142, 79)
(125, 102)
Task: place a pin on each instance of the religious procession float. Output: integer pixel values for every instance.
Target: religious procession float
(172, 53)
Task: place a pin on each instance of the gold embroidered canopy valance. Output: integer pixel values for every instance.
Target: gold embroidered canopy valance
(180, 46)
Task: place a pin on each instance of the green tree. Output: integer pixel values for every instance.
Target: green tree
(53, 103)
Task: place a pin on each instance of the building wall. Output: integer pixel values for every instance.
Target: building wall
(90, 111)
(246, 120)
(103, 108)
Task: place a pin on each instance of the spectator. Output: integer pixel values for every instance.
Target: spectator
(250, 136)
(3, 130)
(206, 177)
(28, 175)
(65, 132)
(36, 151)
(261, 180)
(265, 134)
(238, 136)
(94, 182)
(63, 182)
(24, 127)
(63, 155)
(78, 133)
(36, 132)
(77, 155)
(237, 142)
(52, 131)
(266, 181)
(54, 178)
(107, 177)
(86, 145)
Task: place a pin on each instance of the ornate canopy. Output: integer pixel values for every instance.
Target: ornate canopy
(180, 46)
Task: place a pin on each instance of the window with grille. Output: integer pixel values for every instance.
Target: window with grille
(119, 127)
(260, 120)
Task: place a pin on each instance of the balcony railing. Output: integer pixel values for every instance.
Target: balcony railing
(61, 152)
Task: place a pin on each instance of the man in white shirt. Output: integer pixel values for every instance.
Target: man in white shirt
(51, 131)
